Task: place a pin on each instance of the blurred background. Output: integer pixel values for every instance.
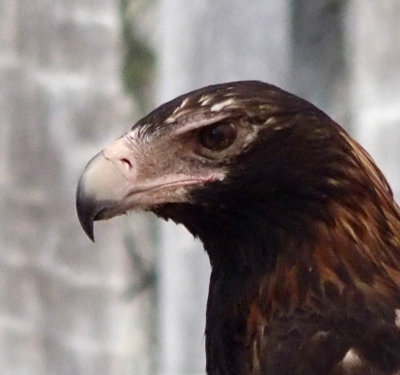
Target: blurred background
(75, 75)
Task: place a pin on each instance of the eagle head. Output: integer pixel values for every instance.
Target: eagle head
(223, 151)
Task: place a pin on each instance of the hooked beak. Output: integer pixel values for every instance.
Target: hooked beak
(120, 178)
(100, 188)
(104, 185)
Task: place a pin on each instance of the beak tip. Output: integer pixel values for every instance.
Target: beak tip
(85, 208)
(86, 221)
(91, 237)
(89, 230)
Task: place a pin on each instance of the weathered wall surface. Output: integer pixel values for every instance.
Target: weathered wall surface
(319, 68)
(373, 52)
(62, 304)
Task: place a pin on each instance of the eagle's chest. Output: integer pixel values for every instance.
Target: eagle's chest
(248, 334)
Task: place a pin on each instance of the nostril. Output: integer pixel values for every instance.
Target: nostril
(126, 163)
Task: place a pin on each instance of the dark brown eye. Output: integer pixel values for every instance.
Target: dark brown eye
(217, 137)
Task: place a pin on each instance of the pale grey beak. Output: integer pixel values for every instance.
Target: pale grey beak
(122, 178)
(100, 188)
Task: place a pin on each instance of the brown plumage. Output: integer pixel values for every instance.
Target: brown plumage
(300, 226)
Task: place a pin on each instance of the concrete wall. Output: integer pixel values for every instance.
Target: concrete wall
(62, 303)
(373, 53)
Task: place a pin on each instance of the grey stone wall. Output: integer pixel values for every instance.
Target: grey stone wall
(62, 304)
(319, 67)
(373, 52)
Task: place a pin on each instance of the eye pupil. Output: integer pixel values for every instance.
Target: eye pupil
(218, 137)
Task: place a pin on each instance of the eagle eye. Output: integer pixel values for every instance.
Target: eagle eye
(217, 137)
